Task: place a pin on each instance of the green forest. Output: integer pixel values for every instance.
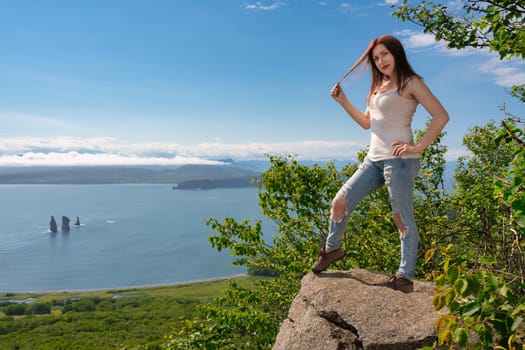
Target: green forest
(472, 240)
(110, 319)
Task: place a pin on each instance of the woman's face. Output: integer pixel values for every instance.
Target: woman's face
(384, 60)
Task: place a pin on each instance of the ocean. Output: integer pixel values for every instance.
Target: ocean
(130, 235)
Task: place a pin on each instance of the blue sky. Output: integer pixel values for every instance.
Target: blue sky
(176, 81)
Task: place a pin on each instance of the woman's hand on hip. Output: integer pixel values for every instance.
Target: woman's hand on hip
(400, 148)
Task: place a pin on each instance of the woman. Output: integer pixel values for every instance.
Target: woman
(392, 159)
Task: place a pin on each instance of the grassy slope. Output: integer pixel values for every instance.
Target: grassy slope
(126, 323)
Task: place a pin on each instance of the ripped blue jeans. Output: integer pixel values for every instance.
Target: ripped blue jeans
(398, 175)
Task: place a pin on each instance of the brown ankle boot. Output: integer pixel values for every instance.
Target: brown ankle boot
(325, 259)
(398, 282)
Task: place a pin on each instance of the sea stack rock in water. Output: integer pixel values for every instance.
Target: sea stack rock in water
(65, 223)
(77, 223)
(53, 225)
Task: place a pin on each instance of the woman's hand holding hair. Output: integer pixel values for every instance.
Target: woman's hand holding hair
(338, 94)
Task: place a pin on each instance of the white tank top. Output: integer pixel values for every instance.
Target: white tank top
(390, 120)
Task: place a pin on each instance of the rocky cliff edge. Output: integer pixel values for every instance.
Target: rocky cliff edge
(343, 310)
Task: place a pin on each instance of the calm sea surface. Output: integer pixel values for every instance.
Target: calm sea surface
(130, 235)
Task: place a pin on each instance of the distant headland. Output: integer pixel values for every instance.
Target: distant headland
(180, 178)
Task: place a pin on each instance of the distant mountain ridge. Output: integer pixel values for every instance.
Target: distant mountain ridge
(213, 175)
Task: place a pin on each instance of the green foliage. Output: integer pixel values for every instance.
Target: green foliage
(518, 91)
(512, 188)
(15, 309)
(484, 311)
(297, 198)
(497, 24)
(127, 323)
(242, 319)
(480, 278)
(432, 207)
(38, 309)
(82, 305)
(482, 215)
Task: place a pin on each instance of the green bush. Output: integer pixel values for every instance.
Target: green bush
(38, 309)
(15, 309)
(481, 302)
(83, 305)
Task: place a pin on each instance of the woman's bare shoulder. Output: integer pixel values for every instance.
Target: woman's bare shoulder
(416, 88)
(415, 82)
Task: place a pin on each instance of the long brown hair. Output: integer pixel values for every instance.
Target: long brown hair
(403, 69)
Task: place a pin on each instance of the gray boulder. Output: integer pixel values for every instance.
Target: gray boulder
(344, 310)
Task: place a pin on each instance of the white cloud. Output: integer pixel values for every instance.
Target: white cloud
(258, 6)
(418, 40)
(383, 3)
(66, 151)
(87, 159)
(454, 154)
(504, 73)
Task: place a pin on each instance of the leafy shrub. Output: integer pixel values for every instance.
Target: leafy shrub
(38, 309)
(57, 302)
(106, 305)
(481, 278)
(83, 305)
(261, 271)
(481, 302)
(15, 309)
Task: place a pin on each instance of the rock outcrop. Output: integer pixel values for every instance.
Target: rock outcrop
(53, 224)
(344, 310)
(65, 224)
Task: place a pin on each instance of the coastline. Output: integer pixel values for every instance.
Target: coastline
(122, 289)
